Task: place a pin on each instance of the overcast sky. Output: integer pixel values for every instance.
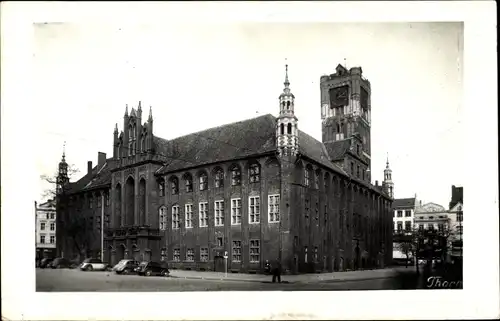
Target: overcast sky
(199, 76)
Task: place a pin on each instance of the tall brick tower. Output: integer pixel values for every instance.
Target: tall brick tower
(345, 115)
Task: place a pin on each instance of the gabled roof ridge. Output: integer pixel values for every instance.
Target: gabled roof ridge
(222, 125)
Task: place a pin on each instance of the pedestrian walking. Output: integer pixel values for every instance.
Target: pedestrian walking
(277, 271)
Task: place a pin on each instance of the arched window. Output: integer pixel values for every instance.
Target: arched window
(161, 187)
(282, 129)
(316, 179)
(289, 129)
(174, 185)
(188, 181)
(143, 144)
(203, 181)
(235, 175)
(254, 173)
(288, 105)
(219, 178)
(162, 218)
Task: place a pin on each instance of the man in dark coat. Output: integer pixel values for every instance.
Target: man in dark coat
(277, 271)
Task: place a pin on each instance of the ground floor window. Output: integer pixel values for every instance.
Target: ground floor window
(236, 253)
(177, 255)
(255, 251)
(164, 254)
(190, 255)
(204, 254)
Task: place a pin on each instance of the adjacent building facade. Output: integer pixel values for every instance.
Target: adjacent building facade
(256, 190)
(45, 229)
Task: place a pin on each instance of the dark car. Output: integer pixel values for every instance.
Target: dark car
(62, 263)
(125, 267)
(152, 268)
(45, 262)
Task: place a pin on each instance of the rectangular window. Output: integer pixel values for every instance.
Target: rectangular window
(408, 226)
(52, 239)
(421, 227)
(236, 211)
(163, 254)
(316, 180)
(460, 217)
(190, 255)
(204, 254)
(431, 227)
(460, 229)
(219, 242)
(42, 239)
(42, 226)
(175, 217)
(99, 201)
(52, 216)
(441, 227)
(107, 199)
(316, 254)
(189, 215)
(306, 177)
(163, 218)
(357, 171)
(305, 254)
(177, 255)
(400, 213)
(236, 253)
(219, 213)
(203, 214)
(91, 200)
(307, 208)
(254, 173)
(400, 226)
(254, 251)
(254, 209)
(274, 208)
(52, 226)
(407, 213)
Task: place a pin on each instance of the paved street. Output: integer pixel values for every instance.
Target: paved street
(75, 280)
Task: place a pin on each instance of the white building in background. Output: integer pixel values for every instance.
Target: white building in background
(431, 216)
(45, 229)
(404, 214)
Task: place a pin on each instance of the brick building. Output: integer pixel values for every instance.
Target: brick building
(259, 189)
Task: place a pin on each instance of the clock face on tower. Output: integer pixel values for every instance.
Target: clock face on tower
(339, 96)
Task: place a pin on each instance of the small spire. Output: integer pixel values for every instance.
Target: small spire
(116, 127)
(64, 151)
(150, 113)
(287, 83)
(126, 109)
(387, 163)
(139, 107)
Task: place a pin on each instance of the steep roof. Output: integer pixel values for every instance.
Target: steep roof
(223, 143)
(404, 202)
(338, 149)
(98, 177)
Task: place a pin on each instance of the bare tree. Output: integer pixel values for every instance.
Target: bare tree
(408, 247)
(51, 182)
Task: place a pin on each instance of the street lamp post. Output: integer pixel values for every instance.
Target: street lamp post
(102, 228)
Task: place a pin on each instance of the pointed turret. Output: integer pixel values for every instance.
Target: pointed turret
(387, 184)
(62, 176)
(286, 123)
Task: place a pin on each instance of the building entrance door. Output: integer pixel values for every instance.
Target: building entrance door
(219, 264)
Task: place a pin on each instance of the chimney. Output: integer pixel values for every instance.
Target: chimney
(89, 167)
(101, 159)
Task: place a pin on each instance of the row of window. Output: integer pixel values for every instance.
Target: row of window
(219, 215)
(400, 213)
(52, 239)
(236, 254)
(99, 200)
(47, 216)
(254, 176)
(43, 224)
(398, 226)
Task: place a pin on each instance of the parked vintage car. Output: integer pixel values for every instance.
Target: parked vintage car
(94, 265)
(125, 267)
(148, 268)
(45, 262)
(62, 263)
